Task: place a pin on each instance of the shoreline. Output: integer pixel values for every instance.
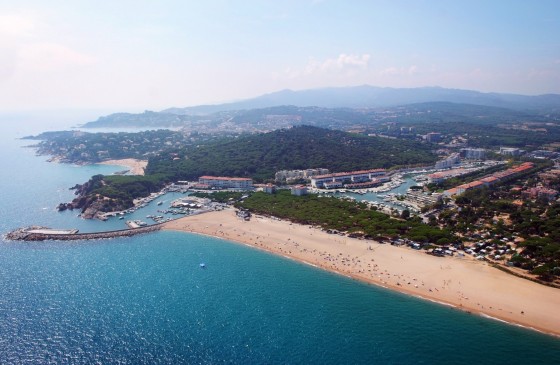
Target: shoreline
(462, 283)
(136, 166)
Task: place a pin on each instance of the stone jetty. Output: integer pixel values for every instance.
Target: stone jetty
(31, 234)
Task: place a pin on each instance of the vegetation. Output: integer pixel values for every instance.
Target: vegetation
(260, 156)
(470, 177)
(533, 225)
(80, 147)
(342, 215)
(466, 178)
(83, 147)
(491, 135)
(482, 126)
(113, 193)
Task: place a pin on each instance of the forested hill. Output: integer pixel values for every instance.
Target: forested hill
(260, 156)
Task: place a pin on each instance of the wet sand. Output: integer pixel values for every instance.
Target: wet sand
(464, 283)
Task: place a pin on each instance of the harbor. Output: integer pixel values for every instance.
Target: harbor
(179, 206)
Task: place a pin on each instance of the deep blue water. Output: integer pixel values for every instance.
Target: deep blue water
(145, 300)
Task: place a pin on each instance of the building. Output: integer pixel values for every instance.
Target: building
(291, 175)
(421, 199)
(473, 153)
(269, 188)
(507, 151)
(449, 162)
(265, 188)
(299, 190)
(339, 179)
(309, 173)
(469, 186)
(441, 176)
(490, 179)
(437, 178)
(433, 137)
(540, 192)
(221, 182)
(376, 181)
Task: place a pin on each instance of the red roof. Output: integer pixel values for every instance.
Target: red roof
(224, 178)
(361, 172)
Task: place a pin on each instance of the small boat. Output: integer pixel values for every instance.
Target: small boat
(202, 265)
(160, 203)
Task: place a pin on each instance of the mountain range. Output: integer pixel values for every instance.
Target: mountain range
(367, 96)
(356, 99)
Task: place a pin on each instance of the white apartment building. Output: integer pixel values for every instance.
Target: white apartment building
(221, 182)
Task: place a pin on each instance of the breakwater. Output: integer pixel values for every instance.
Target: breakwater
(25, 234)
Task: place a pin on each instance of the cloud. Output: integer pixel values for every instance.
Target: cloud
(341, 63)
(391, 71)
(399, 71)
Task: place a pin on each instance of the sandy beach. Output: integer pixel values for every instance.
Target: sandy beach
(136, 166)
(464, 283)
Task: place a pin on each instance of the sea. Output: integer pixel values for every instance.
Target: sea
(146, 299)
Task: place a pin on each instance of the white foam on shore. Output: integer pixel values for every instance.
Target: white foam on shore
(517, 324)
(436, 301)
(499, 319)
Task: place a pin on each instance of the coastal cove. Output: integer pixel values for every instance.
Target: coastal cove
(145, 299)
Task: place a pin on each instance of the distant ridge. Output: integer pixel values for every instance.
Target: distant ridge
(366, 96)
(332, 107)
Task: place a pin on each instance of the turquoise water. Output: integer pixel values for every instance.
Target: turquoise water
(145, 300)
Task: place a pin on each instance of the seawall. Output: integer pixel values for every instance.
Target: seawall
(22, 234)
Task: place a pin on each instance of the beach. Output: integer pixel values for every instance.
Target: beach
(136, 166)
(462, 282)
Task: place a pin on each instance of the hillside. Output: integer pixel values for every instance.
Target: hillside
(285, 116)
(367, 96)
(343, 108)
(260, 156)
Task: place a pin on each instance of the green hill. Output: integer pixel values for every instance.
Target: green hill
(260, 156)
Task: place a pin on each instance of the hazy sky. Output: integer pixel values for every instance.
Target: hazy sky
(133, 55)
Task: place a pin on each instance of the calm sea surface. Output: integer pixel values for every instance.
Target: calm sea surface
(145, 300)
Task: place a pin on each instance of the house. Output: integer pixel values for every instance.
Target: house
(299, 190)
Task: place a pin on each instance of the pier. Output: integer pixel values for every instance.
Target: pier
(43, 234)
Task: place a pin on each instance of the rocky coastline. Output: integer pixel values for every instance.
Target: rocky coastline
(91, 206)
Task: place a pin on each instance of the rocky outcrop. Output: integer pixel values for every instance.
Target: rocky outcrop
(91, 205)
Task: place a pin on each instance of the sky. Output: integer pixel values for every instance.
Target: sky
(134, 55)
